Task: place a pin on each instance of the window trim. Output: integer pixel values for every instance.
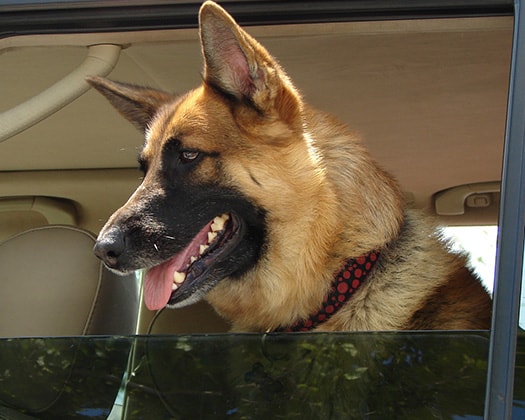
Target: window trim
(42, 17)
(509, 255)
(102, 16)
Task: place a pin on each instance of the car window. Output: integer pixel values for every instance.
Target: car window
(41, 165)
(480, 243)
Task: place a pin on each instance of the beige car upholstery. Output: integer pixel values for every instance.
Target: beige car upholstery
(199, 318)
(53, 285)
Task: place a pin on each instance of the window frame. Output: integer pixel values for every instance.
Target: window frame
(26, 17)
(509, 254)
(42, 17)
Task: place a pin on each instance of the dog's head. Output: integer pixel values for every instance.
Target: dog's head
(210, 161)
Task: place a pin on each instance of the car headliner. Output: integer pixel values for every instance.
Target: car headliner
(428, 97)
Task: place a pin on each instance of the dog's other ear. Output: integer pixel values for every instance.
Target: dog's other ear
(137, 104)
(236, 63)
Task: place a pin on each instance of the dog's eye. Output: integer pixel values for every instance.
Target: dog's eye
(187, 156)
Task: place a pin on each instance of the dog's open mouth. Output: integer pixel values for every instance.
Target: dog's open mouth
(187, 272)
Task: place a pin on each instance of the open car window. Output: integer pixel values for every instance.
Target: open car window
(425, 69)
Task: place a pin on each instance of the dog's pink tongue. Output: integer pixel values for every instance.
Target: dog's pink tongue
(158, 282)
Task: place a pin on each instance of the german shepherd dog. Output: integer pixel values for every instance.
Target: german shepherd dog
(273, 211)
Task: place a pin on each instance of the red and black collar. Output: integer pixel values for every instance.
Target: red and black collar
(346, 282)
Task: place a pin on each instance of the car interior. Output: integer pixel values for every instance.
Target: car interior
(428, 97)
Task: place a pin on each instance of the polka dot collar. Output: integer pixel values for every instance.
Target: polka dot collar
(346, 282)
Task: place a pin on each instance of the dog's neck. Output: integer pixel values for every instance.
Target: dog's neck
(345, 284)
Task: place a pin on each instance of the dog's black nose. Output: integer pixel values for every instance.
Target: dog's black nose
(109, 248)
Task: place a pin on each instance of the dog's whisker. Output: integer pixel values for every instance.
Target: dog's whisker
(156, 247)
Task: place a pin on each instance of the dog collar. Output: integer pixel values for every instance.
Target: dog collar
(346, 282)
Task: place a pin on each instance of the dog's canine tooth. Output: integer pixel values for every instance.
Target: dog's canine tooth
(202, 249)
(217, 225)
(219, 222)
(211, 236)
(178, 277)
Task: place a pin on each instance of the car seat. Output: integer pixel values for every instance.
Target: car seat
(55, 295)
(52, 285)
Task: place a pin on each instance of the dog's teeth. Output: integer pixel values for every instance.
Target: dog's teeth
(174, 287)
(217, 225)
(193, 259)
(211, 236)
(202, 249)
(218, 222)
(178, 277)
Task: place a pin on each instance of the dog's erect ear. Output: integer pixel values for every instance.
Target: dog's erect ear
(137, 104)
(236, 63)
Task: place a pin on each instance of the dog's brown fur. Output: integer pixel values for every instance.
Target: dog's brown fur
(323, 197)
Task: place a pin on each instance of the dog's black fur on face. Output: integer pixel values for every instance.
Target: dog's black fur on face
(168, 210)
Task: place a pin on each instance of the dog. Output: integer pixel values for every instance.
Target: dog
(272, 211)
